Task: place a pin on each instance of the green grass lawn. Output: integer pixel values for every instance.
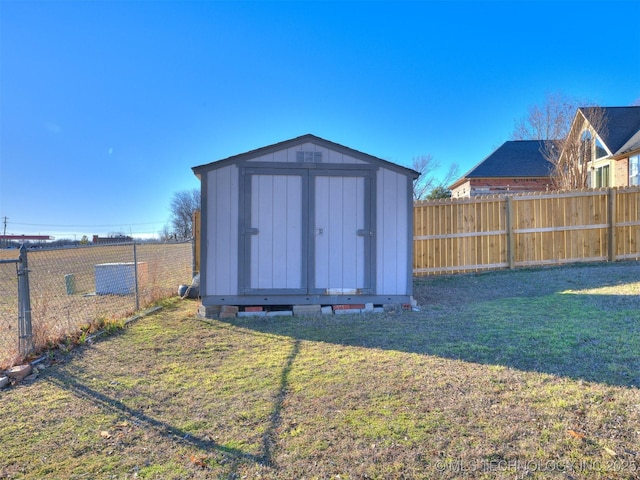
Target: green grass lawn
(524, 374)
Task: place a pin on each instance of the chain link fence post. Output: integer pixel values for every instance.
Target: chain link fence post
(25, 331)
(135, 276)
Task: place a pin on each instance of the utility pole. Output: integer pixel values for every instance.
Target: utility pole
(4, 235)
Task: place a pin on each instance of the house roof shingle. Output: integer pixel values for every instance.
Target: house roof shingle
(622, 123)
(514, 158)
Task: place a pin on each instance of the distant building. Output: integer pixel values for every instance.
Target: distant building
(609, 146)
(112, 239)
(516, 166)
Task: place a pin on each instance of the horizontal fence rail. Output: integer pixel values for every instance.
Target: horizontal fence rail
(509, 231)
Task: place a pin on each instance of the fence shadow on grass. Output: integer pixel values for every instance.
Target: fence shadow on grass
(561, 321)
(66, 381)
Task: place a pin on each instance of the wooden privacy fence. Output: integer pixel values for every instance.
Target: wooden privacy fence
(508, 231)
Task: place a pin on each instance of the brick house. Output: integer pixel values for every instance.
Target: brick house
(611, 137)
(516, 166)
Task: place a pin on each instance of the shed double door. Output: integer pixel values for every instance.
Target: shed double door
(307, 232)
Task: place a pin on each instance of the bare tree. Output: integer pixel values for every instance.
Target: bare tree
(427, 182)
(550, 121)
(572, 154)
(569, 140)
(183, 205)
(165, 234)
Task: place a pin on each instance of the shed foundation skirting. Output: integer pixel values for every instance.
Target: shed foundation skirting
(227, 312)
(305, 299)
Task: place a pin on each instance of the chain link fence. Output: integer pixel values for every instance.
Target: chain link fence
(75, 288)
(9, 312)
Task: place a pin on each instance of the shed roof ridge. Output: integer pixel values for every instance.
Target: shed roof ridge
(308, 137)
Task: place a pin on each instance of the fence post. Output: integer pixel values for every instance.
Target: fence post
(613, 254)
(25, 331)
(135, 275)
(196, 242)
(510, 235)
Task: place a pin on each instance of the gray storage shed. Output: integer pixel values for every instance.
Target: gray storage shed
(305, 221)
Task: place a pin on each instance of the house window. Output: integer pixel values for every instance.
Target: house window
(634, 170)
(585, 147)
(600, 150)
(602, 176)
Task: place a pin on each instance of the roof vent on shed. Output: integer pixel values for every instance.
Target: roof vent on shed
(309, 157)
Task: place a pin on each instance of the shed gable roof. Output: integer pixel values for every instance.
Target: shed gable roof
(513, 159)
(308, 138)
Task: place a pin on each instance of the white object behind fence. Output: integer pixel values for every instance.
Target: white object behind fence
(120, 278)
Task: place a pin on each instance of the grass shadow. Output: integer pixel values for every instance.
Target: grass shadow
(61, 378)
(577, 322)
(275, 417)
(66, 381)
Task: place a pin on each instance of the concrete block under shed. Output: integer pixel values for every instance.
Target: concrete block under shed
(345, 311)
(230, 309)
(280, 313)
(307, 309)
(208, 311)
(252, 314)
(358, 306)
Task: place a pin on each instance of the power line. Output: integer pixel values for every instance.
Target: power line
(83, 225)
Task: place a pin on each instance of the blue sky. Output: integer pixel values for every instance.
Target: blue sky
(106, 105)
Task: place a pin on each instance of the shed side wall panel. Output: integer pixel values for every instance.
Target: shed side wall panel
(392, 233)
(222, 232)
